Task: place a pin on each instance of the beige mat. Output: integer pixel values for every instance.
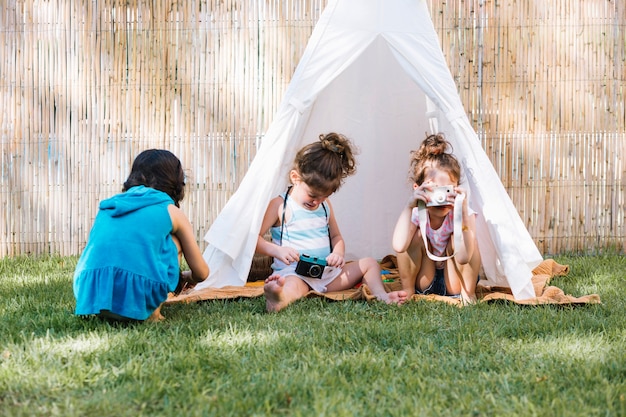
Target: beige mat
(545, 293)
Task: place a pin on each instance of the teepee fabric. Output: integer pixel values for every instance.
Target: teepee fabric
(373, 70)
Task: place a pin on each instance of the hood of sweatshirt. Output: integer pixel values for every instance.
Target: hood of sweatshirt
(134, 199)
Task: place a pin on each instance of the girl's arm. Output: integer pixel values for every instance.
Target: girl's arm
(336, 257)
(466, 251)
(405, 229)
(182, 229)
(272, 217)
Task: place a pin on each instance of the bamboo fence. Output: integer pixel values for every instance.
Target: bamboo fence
(85, 86)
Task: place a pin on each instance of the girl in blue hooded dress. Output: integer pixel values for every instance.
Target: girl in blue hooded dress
(132, 258)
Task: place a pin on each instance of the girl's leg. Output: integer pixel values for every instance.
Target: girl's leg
(156, 315)
(407, 268)
(462, 279)
(282, 291)
(415, 268)
(368, 270)
(469, 278)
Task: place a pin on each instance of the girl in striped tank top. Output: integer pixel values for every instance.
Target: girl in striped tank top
(307, 246)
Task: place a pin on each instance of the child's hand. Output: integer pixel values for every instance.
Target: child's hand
(460, 190)
(335, 260)
(420, 193)
(188, 276)
(287, 255)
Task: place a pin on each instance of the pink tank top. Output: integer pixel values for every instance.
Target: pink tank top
(438, 238)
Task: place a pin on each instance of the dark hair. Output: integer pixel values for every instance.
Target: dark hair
(159, 169)
(323, 165)
(432, 154)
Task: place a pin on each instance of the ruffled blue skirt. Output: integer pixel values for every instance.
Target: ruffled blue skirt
(119, 291)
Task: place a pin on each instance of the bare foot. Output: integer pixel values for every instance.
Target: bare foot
(395, 297)
(156, 316)
(467, 299)
(274, 297)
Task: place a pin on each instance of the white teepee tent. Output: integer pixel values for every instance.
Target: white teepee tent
(374, 71)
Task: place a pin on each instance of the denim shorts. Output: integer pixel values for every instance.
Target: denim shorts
(437, 286)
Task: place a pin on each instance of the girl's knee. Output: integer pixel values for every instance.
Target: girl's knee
(369, 263)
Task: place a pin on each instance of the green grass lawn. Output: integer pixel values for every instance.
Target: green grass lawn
(317, 357)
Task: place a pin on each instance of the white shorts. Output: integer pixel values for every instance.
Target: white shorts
(316, 284)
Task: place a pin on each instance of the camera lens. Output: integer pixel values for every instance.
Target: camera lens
(315, 271)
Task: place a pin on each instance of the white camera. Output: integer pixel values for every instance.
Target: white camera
(439, 196)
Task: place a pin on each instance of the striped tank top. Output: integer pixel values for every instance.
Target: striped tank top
(305, 230)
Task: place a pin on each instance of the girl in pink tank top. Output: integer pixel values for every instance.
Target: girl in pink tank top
(434, 265)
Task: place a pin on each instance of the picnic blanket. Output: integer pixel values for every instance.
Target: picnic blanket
(542, 274)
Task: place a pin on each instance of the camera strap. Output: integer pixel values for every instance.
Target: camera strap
(458, 226)
(282, 222)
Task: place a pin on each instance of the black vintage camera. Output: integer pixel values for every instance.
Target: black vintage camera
(310, 266)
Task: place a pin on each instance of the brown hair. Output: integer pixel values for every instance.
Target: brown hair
(159, 169)
(432, 154)
(324, 165)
